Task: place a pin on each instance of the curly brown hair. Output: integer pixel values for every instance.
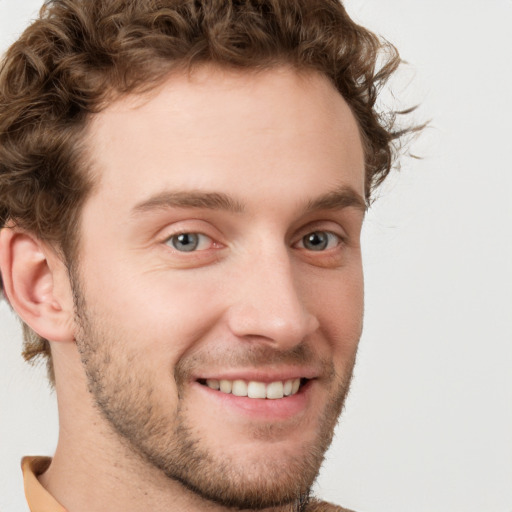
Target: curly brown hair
(80, 55)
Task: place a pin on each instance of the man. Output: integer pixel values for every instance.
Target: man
(183, 186)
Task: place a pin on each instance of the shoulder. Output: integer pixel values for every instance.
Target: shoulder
(323, 506)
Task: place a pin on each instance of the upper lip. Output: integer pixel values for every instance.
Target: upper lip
(260, 375)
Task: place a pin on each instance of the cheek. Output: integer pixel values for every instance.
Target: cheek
(159, 316)
(339, 306)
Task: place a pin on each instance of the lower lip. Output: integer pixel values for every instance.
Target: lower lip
(262, 409)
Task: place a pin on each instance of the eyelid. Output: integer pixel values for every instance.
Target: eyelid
(168, 241)
(326, 226)
(191, 227)
(340, 239)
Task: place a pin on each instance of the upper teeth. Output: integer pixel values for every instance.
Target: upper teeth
(254, 389)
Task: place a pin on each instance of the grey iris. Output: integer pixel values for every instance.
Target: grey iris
(185, 242)
(316, 241)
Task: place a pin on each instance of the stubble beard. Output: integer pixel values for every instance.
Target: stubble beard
(123, 392)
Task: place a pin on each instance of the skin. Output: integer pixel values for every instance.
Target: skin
(254, 163)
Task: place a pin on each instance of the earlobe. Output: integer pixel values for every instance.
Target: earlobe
(35, 282)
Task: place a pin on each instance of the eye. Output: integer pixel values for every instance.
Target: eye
(319, 241)
(188, 242)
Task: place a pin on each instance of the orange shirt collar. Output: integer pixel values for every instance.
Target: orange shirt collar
(38, 498)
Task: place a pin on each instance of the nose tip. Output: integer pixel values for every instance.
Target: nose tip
(281, 328)
(272, 313)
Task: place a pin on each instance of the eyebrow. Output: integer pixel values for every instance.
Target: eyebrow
(339, 199)
(208, 200)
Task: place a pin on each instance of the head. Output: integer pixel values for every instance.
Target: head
(88, 80)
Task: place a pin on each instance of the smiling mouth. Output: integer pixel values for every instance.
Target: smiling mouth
(254, 389)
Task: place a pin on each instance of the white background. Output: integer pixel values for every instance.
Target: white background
(428, 425)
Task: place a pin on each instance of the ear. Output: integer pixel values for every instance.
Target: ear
(37, 285)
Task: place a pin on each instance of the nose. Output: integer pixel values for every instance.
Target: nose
(268, 306)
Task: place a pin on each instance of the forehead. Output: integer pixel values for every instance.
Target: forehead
(218, 129)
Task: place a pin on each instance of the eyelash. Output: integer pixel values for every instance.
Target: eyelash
(169, 240)
(329, 236)
(323, 237)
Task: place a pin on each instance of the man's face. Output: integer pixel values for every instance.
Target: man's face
(221, 248)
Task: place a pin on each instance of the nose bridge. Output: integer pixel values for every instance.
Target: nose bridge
(269, 304)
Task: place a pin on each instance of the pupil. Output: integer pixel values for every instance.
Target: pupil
(185, 242)
(316, 241)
